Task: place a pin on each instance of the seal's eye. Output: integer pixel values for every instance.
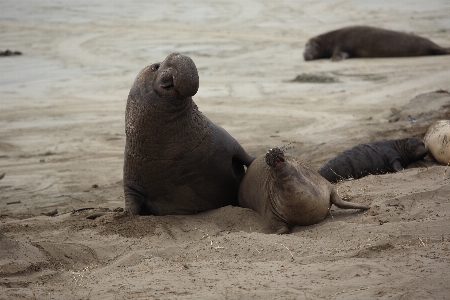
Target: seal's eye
(155, 67)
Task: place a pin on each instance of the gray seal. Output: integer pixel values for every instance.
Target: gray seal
(176, 160)
(373, 158)
(286, 191)
(365, 41)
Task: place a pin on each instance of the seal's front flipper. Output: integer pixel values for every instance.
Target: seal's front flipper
(397, 166)
(279, 227)
(243, 157)
(135, 202)
(339, 55)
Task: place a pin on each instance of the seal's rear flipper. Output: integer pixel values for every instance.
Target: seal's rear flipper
(278, 226)
(336, 200)
(441, 51)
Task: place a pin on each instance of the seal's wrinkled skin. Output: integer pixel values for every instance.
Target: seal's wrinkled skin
(437, 141)
(176, 160)
(285, 191)
(365, 41)
(373, 158)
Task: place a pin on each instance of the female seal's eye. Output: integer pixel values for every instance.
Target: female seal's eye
(155, 67)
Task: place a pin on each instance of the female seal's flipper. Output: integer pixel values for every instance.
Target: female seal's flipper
(336, 200)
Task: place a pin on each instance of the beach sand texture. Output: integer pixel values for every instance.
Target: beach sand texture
(62, 107)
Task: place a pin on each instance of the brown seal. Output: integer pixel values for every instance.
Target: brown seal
(365, 41)
(286, 191)
(176, 160)
(437, 141)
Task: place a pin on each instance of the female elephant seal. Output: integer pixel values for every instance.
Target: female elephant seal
(365, 41)
(285, 191)
(373, 158)
(176, 160)
(437, 141)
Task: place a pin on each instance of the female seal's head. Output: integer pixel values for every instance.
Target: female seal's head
(274, 157)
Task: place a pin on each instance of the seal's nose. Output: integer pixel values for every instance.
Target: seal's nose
(307, 56)
(185, 76)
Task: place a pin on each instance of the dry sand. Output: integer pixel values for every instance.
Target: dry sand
(62, 140)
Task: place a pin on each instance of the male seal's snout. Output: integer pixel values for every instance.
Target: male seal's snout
(184, 72)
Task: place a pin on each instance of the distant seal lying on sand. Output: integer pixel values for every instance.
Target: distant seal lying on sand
(437, 141)
(176, 160)
(285, 191)
(8, 52)
(373, 158)
(365, 41)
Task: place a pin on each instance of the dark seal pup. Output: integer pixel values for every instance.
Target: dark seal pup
(176, 160)
(365, 41)
(285, 191)
(373, 158)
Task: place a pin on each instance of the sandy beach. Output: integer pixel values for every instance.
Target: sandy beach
(62, 138)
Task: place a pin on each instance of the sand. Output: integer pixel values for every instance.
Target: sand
(62, 140)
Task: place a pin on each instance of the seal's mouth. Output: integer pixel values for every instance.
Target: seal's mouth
(167, 81)
(274, 157)
(308, 56)
(416, 149)
(167, 85)
(279, 160)
(422, 151)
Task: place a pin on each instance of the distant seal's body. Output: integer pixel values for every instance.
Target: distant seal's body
(373, 158)
(365, 41)
(437, 141)
(285, 191)
(176, 160)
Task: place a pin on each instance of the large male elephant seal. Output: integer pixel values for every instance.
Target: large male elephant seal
(176, 160)
(437, 141)
(285, 191)
(373, 158)
(365, 41)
